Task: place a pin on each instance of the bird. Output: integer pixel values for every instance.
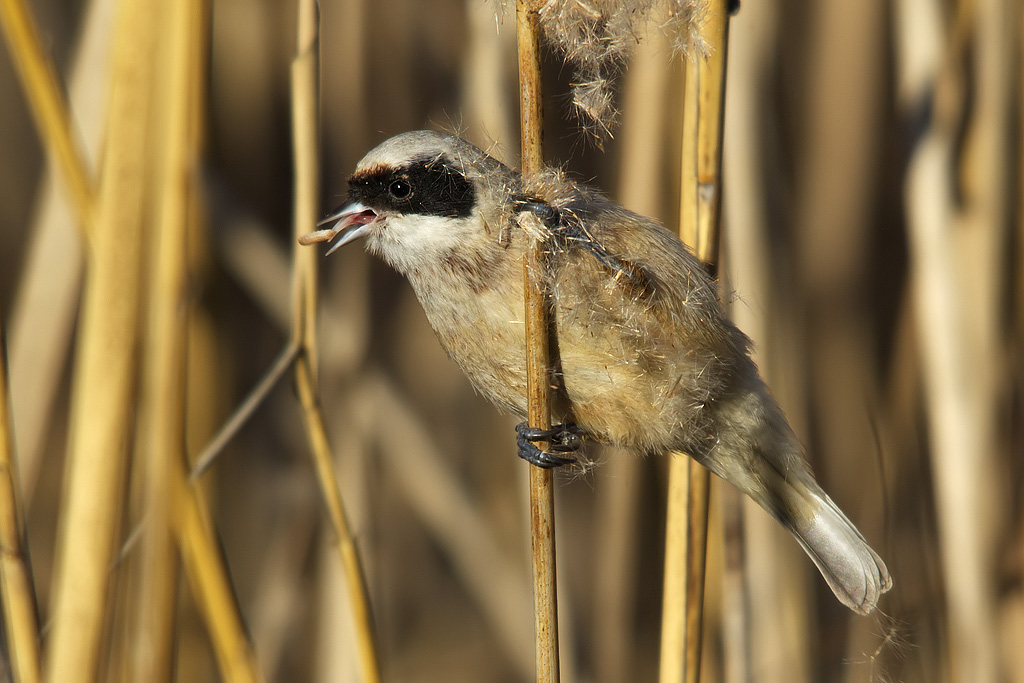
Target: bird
(642, 354)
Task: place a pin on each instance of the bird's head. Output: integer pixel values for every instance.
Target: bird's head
(419, 196)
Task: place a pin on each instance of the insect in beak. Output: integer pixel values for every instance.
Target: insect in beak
(348, 223)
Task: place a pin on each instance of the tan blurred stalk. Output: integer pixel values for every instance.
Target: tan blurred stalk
(357, 592)
(689, 491)
(49, 106)
(645, 110)
(775, 571)
(765, 598)
(450, 514)
(485, 107)
(672, 662)
(17, 591)
(346, 123)
(106, 368)
(837, 187)
(1019, 284)
(47, 295)
(207, 575)
(955, 275)
(282, 600)
(305, 107)
(162, 417)
(542, 500)
(205, 459)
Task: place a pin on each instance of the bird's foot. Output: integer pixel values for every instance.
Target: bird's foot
(547, 214)
(563, 438)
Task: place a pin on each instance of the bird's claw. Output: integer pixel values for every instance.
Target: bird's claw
(547, 214)
(562, 438)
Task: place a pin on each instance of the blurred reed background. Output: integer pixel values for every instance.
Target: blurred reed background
(872, 247)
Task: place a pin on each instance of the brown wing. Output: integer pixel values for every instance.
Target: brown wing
(641, 338)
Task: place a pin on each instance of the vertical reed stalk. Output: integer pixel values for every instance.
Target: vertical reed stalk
(1018, 284)
(751, 60)
(699, 214)
(736, 640)
(699, 495)
(542, 501)
(305, 78)
(672, 663)
(17, 592)
(163, 405)
(952, 243)
(101, 415)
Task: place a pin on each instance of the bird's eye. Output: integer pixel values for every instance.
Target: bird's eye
(400, 189)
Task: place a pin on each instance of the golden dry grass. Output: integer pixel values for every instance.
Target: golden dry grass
(872, 247)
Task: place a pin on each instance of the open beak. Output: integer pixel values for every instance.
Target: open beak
(348, 222)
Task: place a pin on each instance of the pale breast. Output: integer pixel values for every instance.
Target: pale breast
(482, 330)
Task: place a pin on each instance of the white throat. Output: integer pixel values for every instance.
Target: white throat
(414, 241)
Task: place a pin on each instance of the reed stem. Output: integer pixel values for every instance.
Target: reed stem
(21, 625)
(305, 79)
(161, 441)
(699, 216)
(542, 502)
(106, 367)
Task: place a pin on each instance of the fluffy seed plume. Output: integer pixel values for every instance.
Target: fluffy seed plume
(598, 36)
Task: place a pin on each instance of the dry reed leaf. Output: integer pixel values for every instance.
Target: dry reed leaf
(46, 97)
(46, 299)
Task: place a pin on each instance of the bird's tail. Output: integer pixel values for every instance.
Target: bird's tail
(765, 461)
(851, 568)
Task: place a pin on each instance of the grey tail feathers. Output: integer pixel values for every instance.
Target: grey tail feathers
(853, 571)
(758, 452)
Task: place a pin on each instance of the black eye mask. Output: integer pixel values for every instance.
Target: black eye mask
(431, 186)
